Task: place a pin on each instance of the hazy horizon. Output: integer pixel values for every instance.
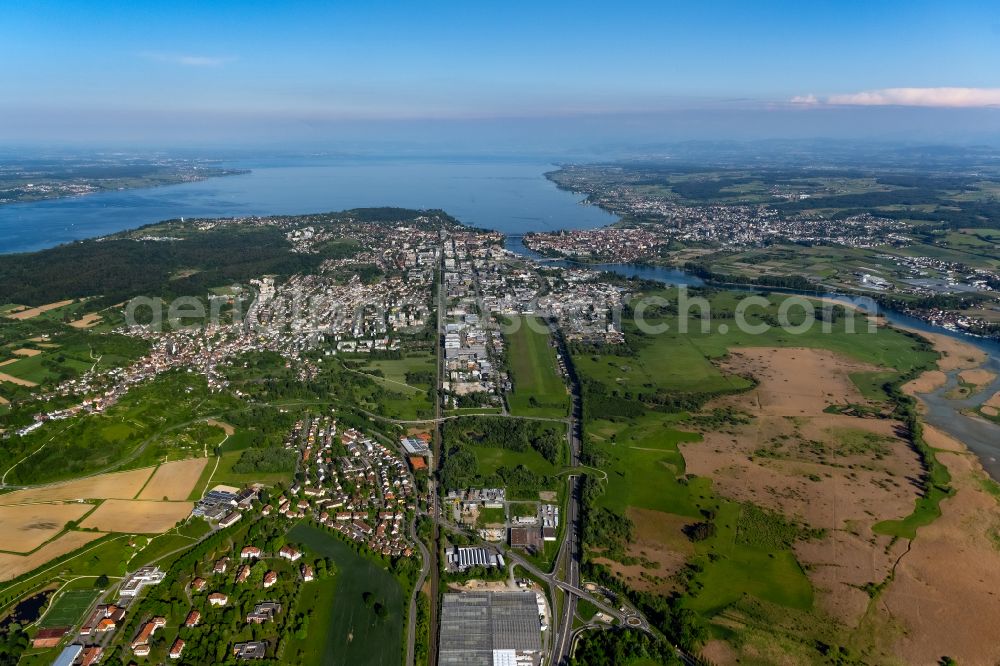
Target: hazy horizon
(563, 77)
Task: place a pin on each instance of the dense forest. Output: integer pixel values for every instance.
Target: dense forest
(119, 269)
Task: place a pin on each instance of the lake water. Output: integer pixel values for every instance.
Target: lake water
(507, 195)
(511, 196)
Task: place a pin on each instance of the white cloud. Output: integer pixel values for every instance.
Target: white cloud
(189, 60)
(808, 100)
(939, 97)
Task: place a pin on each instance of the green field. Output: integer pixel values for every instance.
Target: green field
(405, 384)
(539, 389)
(343, 630)
(225, 474)
(491, 459)
(643, 465)
(69, 608)
(163, 547)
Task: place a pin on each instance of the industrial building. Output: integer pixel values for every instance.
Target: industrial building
(464, 557)
(490, 629)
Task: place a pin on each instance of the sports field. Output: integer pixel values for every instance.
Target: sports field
(539, 389)
(69, 608)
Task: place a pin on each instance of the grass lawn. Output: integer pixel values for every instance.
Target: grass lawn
(539, 389)
(585, 610)
(491, 516)
(343, 630)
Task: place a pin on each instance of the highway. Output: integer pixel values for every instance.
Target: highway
(570, 550)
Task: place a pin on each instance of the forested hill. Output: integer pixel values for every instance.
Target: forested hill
(177, 258)
(122, 268)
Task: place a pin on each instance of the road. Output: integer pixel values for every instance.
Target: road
(411, 628)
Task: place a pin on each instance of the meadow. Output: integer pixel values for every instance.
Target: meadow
(343, 629)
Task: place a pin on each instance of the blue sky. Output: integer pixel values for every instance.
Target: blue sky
(236, 68)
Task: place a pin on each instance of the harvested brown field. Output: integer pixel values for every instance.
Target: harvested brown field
(4, 377)
(978, 377)
(137, 516)
(24, 528)
(12, 566)
(173, 480)
(226, 427)
(34, 312)
(86, 321)
(120, 485)
(946, 591)
(836, 472)
(24, 351)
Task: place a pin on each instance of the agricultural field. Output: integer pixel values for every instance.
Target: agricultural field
(137, 516)
(42, 352)
(36, 520)
(26, 527)
(539, 389)
(13, 566)
(173, 481)
(114, 485)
